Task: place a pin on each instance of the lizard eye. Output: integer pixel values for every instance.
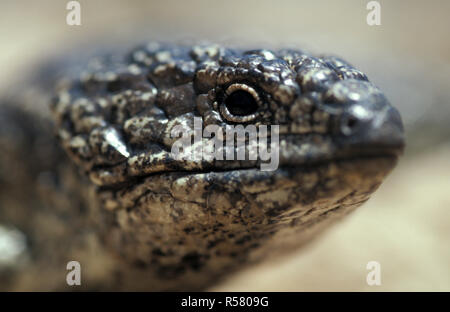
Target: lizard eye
(241, 103)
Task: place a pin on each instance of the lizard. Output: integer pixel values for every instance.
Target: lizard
(87, 172)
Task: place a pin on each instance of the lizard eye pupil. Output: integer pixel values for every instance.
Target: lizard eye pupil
(241, 103)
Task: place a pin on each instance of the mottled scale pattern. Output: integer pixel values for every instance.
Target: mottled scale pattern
(139, 219)
(115, 118)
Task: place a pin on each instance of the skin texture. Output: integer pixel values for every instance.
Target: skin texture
(116, 200)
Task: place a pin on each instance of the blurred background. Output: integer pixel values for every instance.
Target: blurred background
(405, 226)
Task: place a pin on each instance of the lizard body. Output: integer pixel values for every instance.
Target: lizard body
(140, 219)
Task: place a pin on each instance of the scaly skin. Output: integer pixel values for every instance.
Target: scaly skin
(147, 221)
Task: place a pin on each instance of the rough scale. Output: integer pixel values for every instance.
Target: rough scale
(135, 217)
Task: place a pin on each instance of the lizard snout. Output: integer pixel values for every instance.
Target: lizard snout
(372, 129)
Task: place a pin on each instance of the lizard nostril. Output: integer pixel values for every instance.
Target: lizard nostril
(367, 128)
(349, 124)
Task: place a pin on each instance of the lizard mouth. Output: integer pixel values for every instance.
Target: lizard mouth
(334, 152)
(365, 161)
(297, 153)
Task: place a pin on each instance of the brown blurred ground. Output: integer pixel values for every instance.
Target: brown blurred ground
(406, 225)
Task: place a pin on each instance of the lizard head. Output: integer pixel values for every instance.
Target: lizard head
(337, 136)
(325, 109)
